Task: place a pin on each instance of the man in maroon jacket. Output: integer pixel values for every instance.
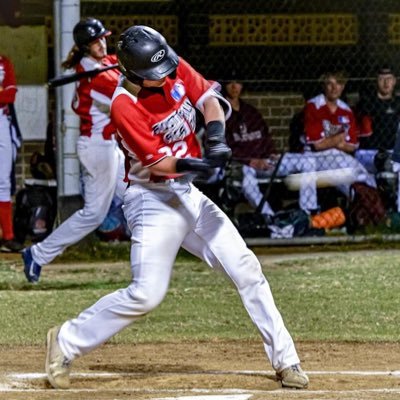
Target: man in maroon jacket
(248, 136)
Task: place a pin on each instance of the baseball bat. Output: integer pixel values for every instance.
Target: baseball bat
(65, 79)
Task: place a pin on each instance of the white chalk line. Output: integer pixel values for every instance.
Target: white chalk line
(18, 378)
(208, 397)
(39, 375)
(226, 391)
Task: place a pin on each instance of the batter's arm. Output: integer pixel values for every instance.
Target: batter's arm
(172, 165)
(165, 166)
(213, 110)
(215, 145)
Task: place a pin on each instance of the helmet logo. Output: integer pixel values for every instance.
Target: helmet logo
(158, 56)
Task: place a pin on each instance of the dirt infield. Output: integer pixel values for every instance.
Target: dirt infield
(207, 370)
(226, 370)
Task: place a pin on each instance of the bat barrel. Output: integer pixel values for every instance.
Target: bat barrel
(65, 79)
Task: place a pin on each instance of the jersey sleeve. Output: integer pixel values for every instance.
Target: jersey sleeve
(196, 85)
(112, 58)
(353, 132)
(363, 113)
(134, 130)
(105, 83)
(365, 126)
(7, 95)
(313, 127)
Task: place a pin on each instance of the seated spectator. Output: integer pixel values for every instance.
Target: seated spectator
(251, 142)
(379, 116)
(331, 131)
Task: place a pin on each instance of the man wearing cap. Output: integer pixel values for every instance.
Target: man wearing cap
(378, 116)
(100, 157)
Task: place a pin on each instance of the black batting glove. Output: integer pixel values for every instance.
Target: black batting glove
(202, 168)
(216, 148)
(194, 165)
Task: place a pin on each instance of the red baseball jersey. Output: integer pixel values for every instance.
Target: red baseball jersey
(320, 122)
(160, 123)
(93, 95)
(8, 83)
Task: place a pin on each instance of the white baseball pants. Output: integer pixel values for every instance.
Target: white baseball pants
(291, 163)
(6, 159)
(305, 162)
(163, 217)
(367, 158)
(101, 162)
(334, 159)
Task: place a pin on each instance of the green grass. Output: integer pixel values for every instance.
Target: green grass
(344, 298)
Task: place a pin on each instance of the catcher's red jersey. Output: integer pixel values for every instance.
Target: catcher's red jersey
(7, 83)
(320, 122)
(93, 97)
(159, 123)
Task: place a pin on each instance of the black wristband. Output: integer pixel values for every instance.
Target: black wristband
(216, 131)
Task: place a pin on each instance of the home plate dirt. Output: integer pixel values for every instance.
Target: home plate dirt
(209, 370)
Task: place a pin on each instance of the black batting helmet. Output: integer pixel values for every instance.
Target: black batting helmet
(144, 53)
(87, 31)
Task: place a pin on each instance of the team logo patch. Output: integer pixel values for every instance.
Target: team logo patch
(178, 91)
(158, 56)
(343, 119)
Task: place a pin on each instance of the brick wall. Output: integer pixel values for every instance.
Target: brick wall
(277, 110)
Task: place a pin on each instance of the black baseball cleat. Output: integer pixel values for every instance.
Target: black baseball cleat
(11, 246)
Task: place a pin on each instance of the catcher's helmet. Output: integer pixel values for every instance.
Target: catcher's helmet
(87, 31)
(144, 53)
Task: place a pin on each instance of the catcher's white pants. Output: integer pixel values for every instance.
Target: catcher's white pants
(163, 217)
(102, 168)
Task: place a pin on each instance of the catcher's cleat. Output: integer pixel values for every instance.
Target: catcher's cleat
(57, 365)
(293, 377)
(32, 268)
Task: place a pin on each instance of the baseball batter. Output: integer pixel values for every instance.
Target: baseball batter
(9, 143)
(153, 110)
(100, 157)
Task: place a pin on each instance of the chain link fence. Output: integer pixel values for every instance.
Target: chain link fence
(312, 119)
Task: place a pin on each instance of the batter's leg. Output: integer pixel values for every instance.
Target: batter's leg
(100, 166)
(216, 241)
(158, 229)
